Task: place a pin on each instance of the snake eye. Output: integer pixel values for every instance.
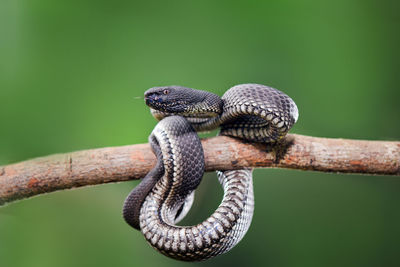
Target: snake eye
(166, 91)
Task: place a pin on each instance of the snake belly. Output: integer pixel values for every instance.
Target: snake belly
(250, 111)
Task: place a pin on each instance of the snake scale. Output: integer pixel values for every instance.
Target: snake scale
(252, 112)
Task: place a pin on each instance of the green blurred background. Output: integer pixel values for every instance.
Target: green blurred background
(69, 72)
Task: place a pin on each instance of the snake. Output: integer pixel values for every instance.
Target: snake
(253, 112)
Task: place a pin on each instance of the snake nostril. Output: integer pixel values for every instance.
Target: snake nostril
(151, 97)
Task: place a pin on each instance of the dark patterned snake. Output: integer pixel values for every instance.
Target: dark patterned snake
(249, 111)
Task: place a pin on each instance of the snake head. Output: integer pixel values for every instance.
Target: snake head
(171, 99)
(181, 100)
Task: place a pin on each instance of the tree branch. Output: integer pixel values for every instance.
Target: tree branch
(115, 164)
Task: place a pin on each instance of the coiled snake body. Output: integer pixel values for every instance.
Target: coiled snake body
(250, 111)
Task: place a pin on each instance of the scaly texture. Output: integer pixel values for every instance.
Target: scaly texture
(214, 236)
(249, 111)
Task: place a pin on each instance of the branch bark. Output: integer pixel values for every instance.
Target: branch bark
(116, 164)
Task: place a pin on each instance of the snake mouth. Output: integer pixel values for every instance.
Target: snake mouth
(157, 102)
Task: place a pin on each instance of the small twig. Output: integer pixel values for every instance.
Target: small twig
(115, 164)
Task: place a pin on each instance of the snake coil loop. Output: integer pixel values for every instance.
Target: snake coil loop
(249, 111)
